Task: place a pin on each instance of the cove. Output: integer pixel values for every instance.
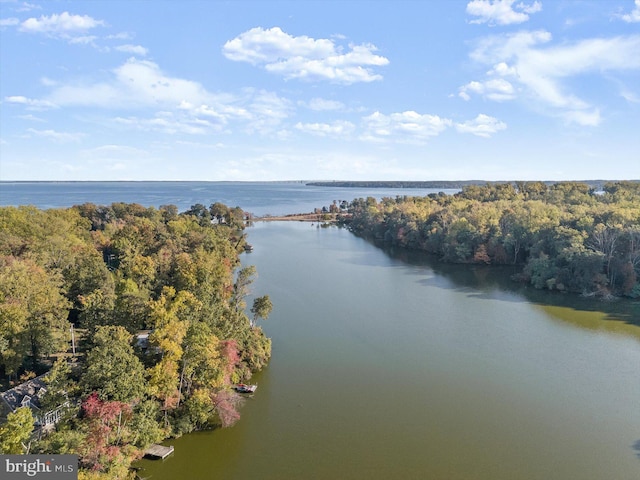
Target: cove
(386, 365)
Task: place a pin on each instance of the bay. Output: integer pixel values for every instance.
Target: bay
(388, 365)
(259, 198)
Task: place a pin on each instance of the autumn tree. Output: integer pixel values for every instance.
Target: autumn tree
(15, 433)
(112, 369)
(60, 385)
(107, 447)
(33, 313)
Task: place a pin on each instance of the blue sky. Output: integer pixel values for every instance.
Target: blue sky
(345, 90)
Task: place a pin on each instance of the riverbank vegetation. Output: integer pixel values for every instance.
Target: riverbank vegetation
(566, 236)
(155, 301)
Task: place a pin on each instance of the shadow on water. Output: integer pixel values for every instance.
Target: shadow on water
(636, 447)
(496, 282)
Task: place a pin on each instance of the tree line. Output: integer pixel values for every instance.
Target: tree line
(110, 272)
(446, 184)
(567, 236)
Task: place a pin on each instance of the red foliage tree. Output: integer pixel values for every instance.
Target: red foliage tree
(226, 404)
(231, 356)
(105, 424)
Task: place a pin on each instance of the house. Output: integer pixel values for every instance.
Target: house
(29, 394)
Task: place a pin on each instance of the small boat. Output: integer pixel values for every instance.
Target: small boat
(248, 248)
(242, 388)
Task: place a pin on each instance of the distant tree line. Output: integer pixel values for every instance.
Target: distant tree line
(110, 272)
(567, 236)
(597, 185)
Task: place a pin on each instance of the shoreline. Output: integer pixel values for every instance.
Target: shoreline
(302, 217)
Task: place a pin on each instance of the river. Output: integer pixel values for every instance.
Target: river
(390, 366)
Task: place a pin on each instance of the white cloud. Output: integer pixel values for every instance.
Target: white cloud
(185, 106)
(497, 89)
(119, 36)
(304, 57)
(30, 103)
(266, 111)
(82, 40)
(629, 96)
(32, 118)
(60, 24)
(404, 127)
(135, 49)
(9, 22)
(586, 117)
(72, 28)
(114, 151)
(501, 12)
(321, 104)
(59, 137)
(634, 15)
(170, 124)
(482, 126)
(269, 105)
(47, 82)
(136, 83)
(26, 7)
(203, 111)
(546, 73)
(339, 128)
(258, 46)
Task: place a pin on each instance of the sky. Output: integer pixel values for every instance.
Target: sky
(320, 90)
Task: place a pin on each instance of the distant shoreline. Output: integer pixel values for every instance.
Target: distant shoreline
(301, 217)
(446, 184)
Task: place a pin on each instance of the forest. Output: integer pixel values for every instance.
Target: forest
(567, 236)
(154, 302)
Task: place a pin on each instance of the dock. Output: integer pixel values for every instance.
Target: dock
(158, 451)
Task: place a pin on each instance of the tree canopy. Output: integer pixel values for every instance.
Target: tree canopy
(157, 297)
(567, 236)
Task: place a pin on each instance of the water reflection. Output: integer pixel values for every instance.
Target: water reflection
(393, 365)
(491, 282)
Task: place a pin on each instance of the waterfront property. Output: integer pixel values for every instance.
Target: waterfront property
(29, 394)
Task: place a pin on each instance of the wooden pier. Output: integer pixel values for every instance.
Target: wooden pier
(158, 451)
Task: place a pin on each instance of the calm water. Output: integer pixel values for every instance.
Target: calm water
(259, 198)
(389, 368)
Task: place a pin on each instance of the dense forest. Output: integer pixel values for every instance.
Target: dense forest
(155, 301)
(567, 236)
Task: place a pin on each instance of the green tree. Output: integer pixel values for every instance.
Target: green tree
(112, 369)
(144, 425)
(200, 212)
(244, 279)
(235, 218)
(218, 211)
(261, 308)
(33, 312)
(97, 308)
(60, 385)
(202, 363)
(16, 431)
(170, 317)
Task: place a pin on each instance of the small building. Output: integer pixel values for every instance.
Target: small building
(142, 345)
(29, 394)
(142, 339)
